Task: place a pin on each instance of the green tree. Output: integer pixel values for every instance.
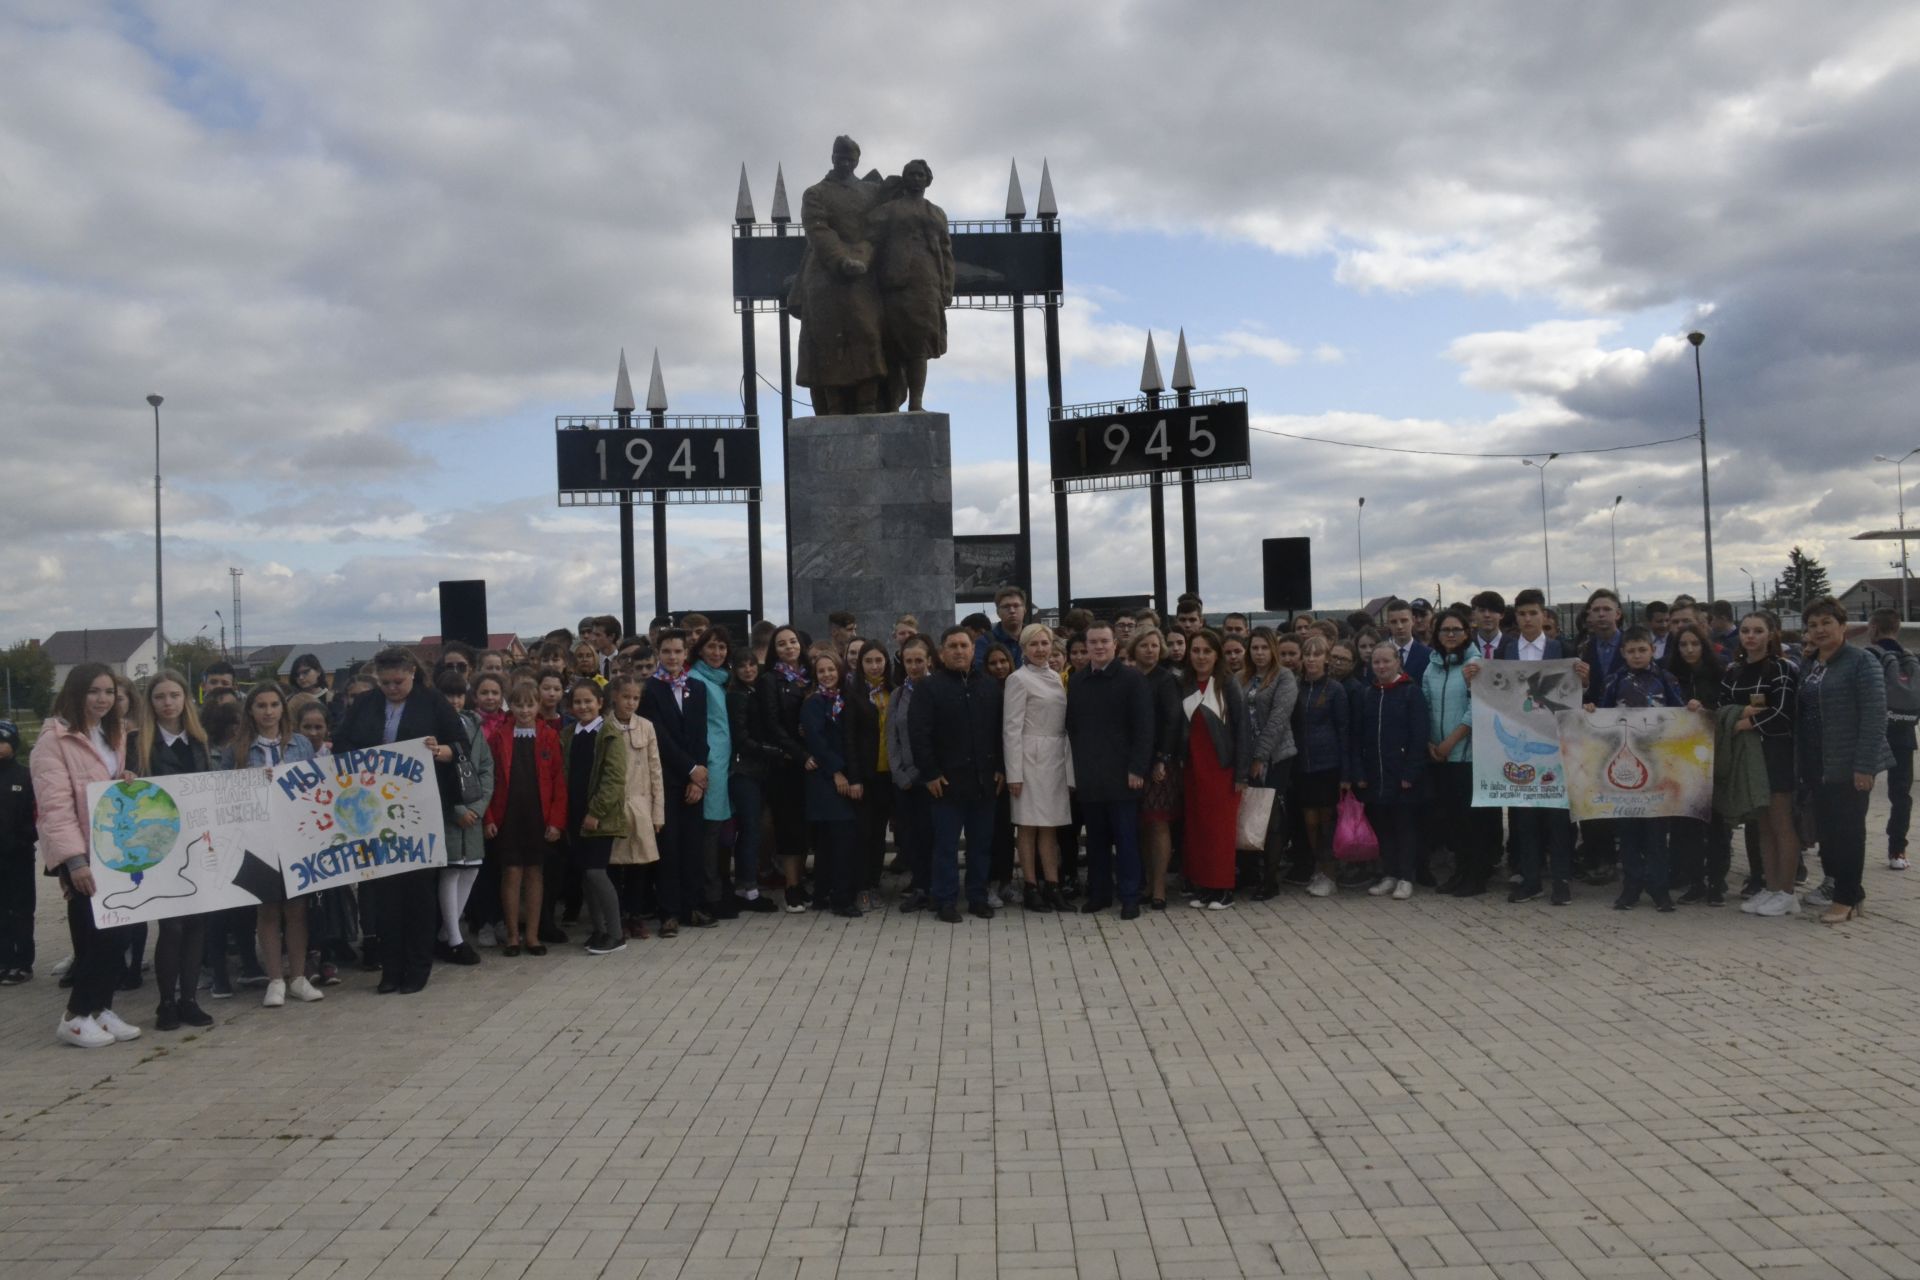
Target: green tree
(27, 683)
(191, 657)
(1803, 581)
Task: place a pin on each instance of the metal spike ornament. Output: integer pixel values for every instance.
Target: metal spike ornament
(656, 387)
(1151, 382)
(1016, 202)
(1182, 367)
(743, 203)
(780, 211)
(1048, 208)
(623, 387)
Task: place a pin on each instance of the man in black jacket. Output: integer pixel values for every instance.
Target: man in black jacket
(955, 731)
(1110, 729)
(19, 864)
(405, 907)
(676, 703)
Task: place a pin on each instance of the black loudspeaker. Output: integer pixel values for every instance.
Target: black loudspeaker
(463, 611)
(1287, 571)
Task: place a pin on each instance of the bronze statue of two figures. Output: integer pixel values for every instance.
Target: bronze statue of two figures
(873, 290)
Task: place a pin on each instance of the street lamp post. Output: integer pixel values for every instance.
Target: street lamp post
(1900, 497)
(159, 601)
(1360, 543)
(1706, 501)
(1613, 544)
(1753, 588)
(1546, 548)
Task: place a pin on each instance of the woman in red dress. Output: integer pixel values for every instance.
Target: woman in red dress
(1218, 733)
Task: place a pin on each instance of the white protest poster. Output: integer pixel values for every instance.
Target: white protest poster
(359, 815)
(1516, 741)
(181, 845)
(1638, 762)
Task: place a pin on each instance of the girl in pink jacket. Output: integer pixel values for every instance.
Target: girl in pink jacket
(84, 741)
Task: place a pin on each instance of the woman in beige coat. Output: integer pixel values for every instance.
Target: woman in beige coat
(646, 798)
(1039, 766)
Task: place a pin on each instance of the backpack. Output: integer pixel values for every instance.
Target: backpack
(1902, 672)
(464, 767)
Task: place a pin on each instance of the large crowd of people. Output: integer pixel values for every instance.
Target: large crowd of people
(643, 785)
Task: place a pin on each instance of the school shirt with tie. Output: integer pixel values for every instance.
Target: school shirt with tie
(1487, 645)
(1534, 650)
(394, 711)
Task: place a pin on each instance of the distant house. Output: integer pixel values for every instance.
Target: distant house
(127, 651)
(1868, 594)
(334, 655)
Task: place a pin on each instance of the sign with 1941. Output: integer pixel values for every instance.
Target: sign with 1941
(637, 459)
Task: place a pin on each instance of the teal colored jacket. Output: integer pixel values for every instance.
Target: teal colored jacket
(1448, 705)
(716, 806)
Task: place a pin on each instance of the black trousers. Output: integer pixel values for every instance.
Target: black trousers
(1701, 853)
(1841, 812)
(682, 882)
(176, 957)
(19, 890)
(1899, 799)
(875, 808)
(835, 861)
(99, 956)
(913, 835)
(406, 911)
(1542, 844)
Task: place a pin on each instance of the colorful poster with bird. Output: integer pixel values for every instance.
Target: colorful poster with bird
(1638, 762)
(180, 845)
(1516, 741)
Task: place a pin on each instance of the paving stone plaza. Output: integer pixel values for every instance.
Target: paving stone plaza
(1343, 1087)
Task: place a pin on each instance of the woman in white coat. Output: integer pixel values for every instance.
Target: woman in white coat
(1039, 765)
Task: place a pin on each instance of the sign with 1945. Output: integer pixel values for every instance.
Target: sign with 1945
(1125, 444)
(637, 459)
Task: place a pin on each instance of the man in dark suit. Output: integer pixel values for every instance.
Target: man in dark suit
(1110, 730)
(956, 736)
(677, 706)
(404, 908)
(1398, 615)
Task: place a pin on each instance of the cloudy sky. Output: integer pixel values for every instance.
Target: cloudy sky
(368, 251)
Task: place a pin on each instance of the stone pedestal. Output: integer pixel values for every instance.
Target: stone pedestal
(870, 503)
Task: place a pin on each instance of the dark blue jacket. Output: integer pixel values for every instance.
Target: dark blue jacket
(956, 732)
(1415, 663)
(682, 730)
(1509, 649)
(1598, 672)
(1391, 745)
(997, 637)
(1653, 687)
(1323, 724)
(826, 740)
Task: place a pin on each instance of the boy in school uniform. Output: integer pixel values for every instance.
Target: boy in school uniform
(1644, 864)
(1598, 851)
(1414, 655)
(1542, 839)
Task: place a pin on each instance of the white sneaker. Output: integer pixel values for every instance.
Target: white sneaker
(1221, 902)
(1384, 886)
(1896, 862)
(1403, 890)
(116, 1026)
(60, 967)
(1752, 905)
(994, 899)
(1198, 902)
(301, 989)
(82, 1033)
(1822, 896)
(1777, 904)
(276, 994)
(1320, 886)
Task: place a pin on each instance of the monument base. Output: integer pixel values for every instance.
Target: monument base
(870, 506)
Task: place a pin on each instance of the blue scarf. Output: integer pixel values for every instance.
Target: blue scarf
(836, 702)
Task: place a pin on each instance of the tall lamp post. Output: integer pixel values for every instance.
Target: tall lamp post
(1900, 496)
(1360, 544)
(1546, 548)
(1706, 501)
(1613, 544)
(1753, 589)
(159, 599)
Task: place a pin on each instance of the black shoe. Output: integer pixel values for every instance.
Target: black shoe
(761, 904)
(553, 935)
(1451, 885)
(1158, 904)
(412, 988)
(1424, 879)
(726, 908)
(701, 920)
(369, 954)
(12, 977)
(193, 1015)
(1263, 894)
(1626, 900)
(167, 1016)
(570, 916)
(463, 954)
(442, 952)
(950, 915)
(1038, 900)
(1695, 893)
(980, 909)
(1056, 899)
(387, 987)
(66, 980)
(1562, 893)
(1662, 901)
(796, 899)
(602, 945)
(912, 900)
(1752, 887)
(848, 913)
(1601, 875)
(1298, 876)
(1470, 889)
(1523, 893)
(1094, 906)
(1131, 911)
(1716, 896)
(536, 949)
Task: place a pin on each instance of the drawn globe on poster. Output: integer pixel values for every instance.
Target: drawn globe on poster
(135, 826)
(356, 810)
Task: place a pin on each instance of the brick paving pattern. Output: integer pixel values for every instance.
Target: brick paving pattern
(1345, 1087)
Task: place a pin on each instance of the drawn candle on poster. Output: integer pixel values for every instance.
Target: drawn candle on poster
(359, 815)
(1516, 740)
(179, 845)
(1638, 762)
